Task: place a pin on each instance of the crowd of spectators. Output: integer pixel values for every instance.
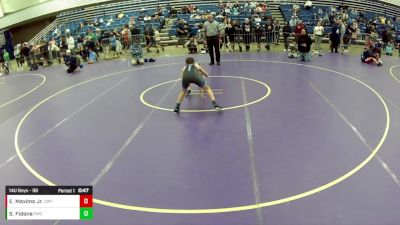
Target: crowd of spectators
(241, 23)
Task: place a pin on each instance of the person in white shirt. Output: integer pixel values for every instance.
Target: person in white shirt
(308, 5)
(157, 39)
(296, 8)
(318, 33)
(70, 42)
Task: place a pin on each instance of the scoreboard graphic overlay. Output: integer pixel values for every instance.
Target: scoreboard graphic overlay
(49, 203)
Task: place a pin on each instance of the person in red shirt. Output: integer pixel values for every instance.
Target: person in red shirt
(297, 31)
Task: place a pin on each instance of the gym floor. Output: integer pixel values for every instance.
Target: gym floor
(297, 143)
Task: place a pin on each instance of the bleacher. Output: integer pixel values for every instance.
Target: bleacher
(307, 16)
(71, 19)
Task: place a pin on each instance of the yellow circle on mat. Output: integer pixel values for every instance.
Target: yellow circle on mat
(268, 92)
(214, 210)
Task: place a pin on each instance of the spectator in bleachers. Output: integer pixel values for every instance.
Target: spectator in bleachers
(315, 17)
(321, 12)
(333, 9)
(308, 5)
(354, 12)
(147, 18)
(227, 11)
(191, 8)
(293, 22)
(56, 32)
(382, 19)
(318, 34)
(159, 10)
(109, 22)
(256, 18)
(229, 4)
(286, 31)
(325, 20)
(96, 22)
(141, 17)
(185, 10)
(159, 19)
(182, 32)
(171, 10)
(70, 42)
(236, 5)
(235, 9)
(344, 6)
(345, 17)
(259, 9)
(304, 46)
(296, 9)
(252, 6)
(361, 13)
(120, 15)
(132, 21)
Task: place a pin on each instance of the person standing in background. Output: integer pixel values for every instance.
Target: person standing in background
(286, 31)
(70, 42)
(213, 34)
(318, 34)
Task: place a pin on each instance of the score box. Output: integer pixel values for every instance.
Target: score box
(49, 202)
